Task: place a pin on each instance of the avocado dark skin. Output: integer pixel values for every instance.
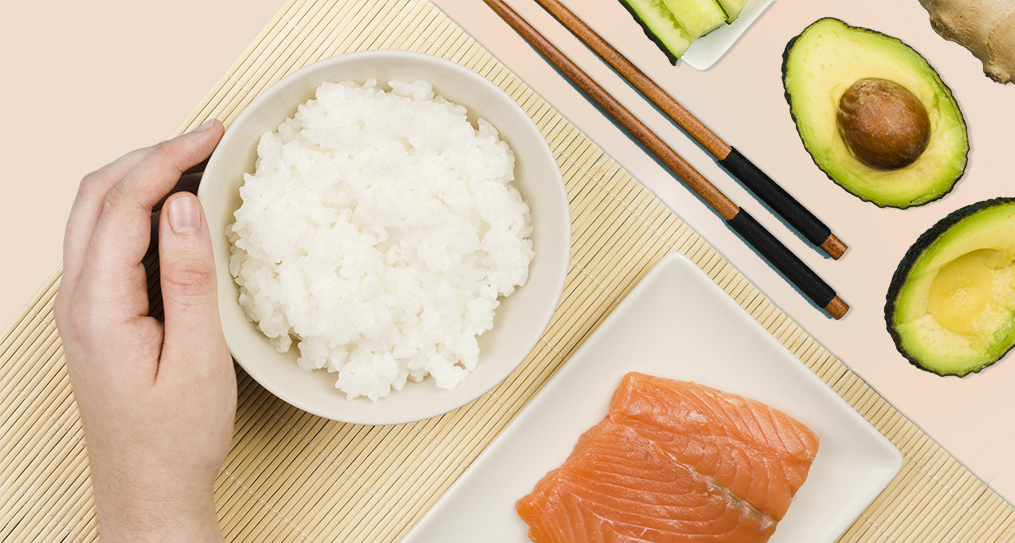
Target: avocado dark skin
(950, 256)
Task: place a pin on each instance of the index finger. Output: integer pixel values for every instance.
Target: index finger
(123, 231)
(87, 207)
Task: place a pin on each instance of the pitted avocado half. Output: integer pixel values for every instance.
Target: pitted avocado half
(822, 64)
(951, 303)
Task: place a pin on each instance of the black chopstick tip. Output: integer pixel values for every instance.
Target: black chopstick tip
(834, 246)
(837, 308)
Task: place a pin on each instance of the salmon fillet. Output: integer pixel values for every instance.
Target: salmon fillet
(674, 461)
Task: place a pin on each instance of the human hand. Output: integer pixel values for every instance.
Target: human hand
(157, 400)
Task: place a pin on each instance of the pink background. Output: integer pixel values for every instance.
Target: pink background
(83, 83)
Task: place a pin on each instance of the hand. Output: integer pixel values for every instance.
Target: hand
(157, 401)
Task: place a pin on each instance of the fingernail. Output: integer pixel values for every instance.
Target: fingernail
(205, 125)
(184, 214)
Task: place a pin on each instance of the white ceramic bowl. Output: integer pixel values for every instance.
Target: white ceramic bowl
(520, 319)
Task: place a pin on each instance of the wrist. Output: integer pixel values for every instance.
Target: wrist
(137, 521)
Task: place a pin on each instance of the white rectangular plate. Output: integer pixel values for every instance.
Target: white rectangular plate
(677, 324)
(704, 51)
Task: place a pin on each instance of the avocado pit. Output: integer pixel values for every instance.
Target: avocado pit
(883, 124)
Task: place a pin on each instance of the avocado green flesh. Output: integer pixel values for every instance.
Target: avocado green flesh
(829, 56)
(952, 302)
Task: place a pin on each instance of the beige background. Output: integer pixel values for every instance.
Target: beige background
(83, 83)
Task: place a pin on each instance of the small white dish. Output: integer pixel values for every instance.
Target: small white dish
(520, 319)
(678, 324)
(705, 51)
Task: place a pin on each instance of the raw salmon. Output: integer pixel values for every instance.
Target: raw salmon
(674, 461)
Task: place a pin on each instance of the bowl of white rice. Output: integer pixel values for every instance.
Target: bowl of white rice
(391, 234)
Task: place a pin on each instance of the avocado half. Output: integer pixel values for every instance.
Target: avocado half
(951, 303)
(829, 56)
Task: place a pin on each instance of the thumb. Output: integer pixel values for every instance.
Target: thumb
(189, 292)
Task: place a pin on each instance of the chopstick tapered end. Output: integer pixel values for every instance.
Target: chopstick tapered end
(834, 246)
(837, 308)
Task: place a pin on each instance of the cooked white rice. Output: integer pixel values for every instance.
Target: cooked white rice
(377, 232)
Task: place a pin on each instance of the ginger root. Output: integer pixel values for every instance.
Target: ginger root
(985, 27)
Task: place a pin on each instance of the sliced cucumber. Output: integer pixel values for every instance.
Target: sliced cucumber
(697, 17)
(732, 9)
(659, 25)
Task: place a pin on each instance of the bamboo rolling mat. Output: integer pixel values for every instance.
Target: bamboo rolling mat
(291, 476)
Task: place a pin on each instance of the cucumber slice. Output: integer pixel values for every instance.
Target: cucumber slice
(697, 17)
(660, 26)
(732, 9)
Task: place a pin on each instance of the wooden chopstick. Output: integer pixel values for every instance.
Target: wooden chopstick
(759, 183)
(753, 232)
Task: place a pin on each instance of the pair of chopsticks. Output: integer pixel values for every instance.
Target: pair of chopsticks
(736, 217)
